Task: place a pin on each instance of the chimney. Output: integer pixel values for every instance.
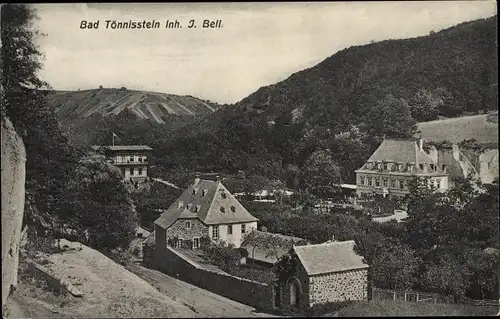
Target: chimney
(417, 153)
(444, 168)
(421, 144)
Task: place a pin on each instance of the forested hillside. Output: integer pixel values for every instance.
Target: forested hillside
(334, 114)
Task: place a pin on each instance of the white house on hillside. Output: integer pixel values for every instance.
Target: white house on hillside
(205, 209)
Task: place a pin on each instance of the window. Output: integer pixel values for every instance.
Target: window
(196, 243)
(385, 166)
(233, 209)
(369, 181)
(223, 195)
(243, 228)
(393, 183)
(229, 229)
(362, 180)
(438, 184)
(377, 182)
(188, 225)
(215, 232)
(140, 171)
(421, 166)
(385, 182)
(222, 210)
(179, 243)
(401, 183)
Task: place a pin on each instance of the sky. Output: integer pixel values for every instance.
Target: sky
(258, 44)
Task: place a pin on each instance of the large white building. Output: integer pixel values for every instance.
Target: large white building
(394, 164)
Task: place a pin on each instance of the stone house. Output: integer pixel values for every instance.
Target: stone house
(132, 160)
(205, 209)
(394, 164)
(265, 248)
(328, 272)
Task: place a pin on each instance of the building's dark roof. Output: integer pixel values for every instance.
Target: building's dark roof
(407, 153)
(123, 147)
(483, 128)
(402, 151)
(329, 257)
(210, 202)
(269, 248)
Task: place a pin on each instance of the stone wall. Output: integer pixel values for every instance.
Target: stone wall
(13, 180)
(339, 286)
(242, 290)
(179, 230)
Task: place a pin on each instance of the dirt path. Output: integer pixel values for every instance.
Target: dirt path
(203, 302)
(109, 290)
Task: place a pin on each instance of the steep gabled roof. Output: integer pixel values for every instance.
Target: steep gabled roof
(403, 151)
(210, 202)
(329, 257)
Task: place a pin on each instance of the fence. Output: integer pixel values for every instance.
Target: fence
(415, 296)
(383, 294)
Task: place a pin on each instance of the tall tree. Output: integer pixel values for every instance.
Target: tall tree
(100, 204)
(49, 158)
(391, 116)
(320, 173)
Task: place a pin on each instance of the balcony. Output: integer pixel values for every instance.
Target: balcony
(129, 162)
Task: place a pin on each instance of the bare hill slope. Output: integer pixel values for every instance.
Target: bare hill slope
(145, 105)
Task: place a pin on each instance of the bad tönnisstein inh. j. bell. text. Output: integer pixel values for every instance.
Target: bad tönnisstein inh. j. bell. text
(152, 24)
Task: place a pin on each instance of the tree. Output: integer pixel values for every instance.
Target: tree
(320, 173)
(100, 204)
(350, 151)
(391, 116)
(392, 265)
(48, 156)
(425, 105)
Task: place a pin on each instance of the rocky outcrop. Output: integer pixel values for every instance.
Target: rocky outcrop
(13, 180)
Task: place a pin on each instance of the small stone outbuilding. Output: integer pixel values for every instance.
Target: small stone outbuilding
(323, 273)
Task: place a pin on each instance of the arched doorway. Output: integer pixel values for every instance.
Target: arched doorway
(294, 292)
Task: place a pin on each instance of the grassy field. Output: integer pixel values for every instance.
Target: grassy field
(483, 128)
(389, 308)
